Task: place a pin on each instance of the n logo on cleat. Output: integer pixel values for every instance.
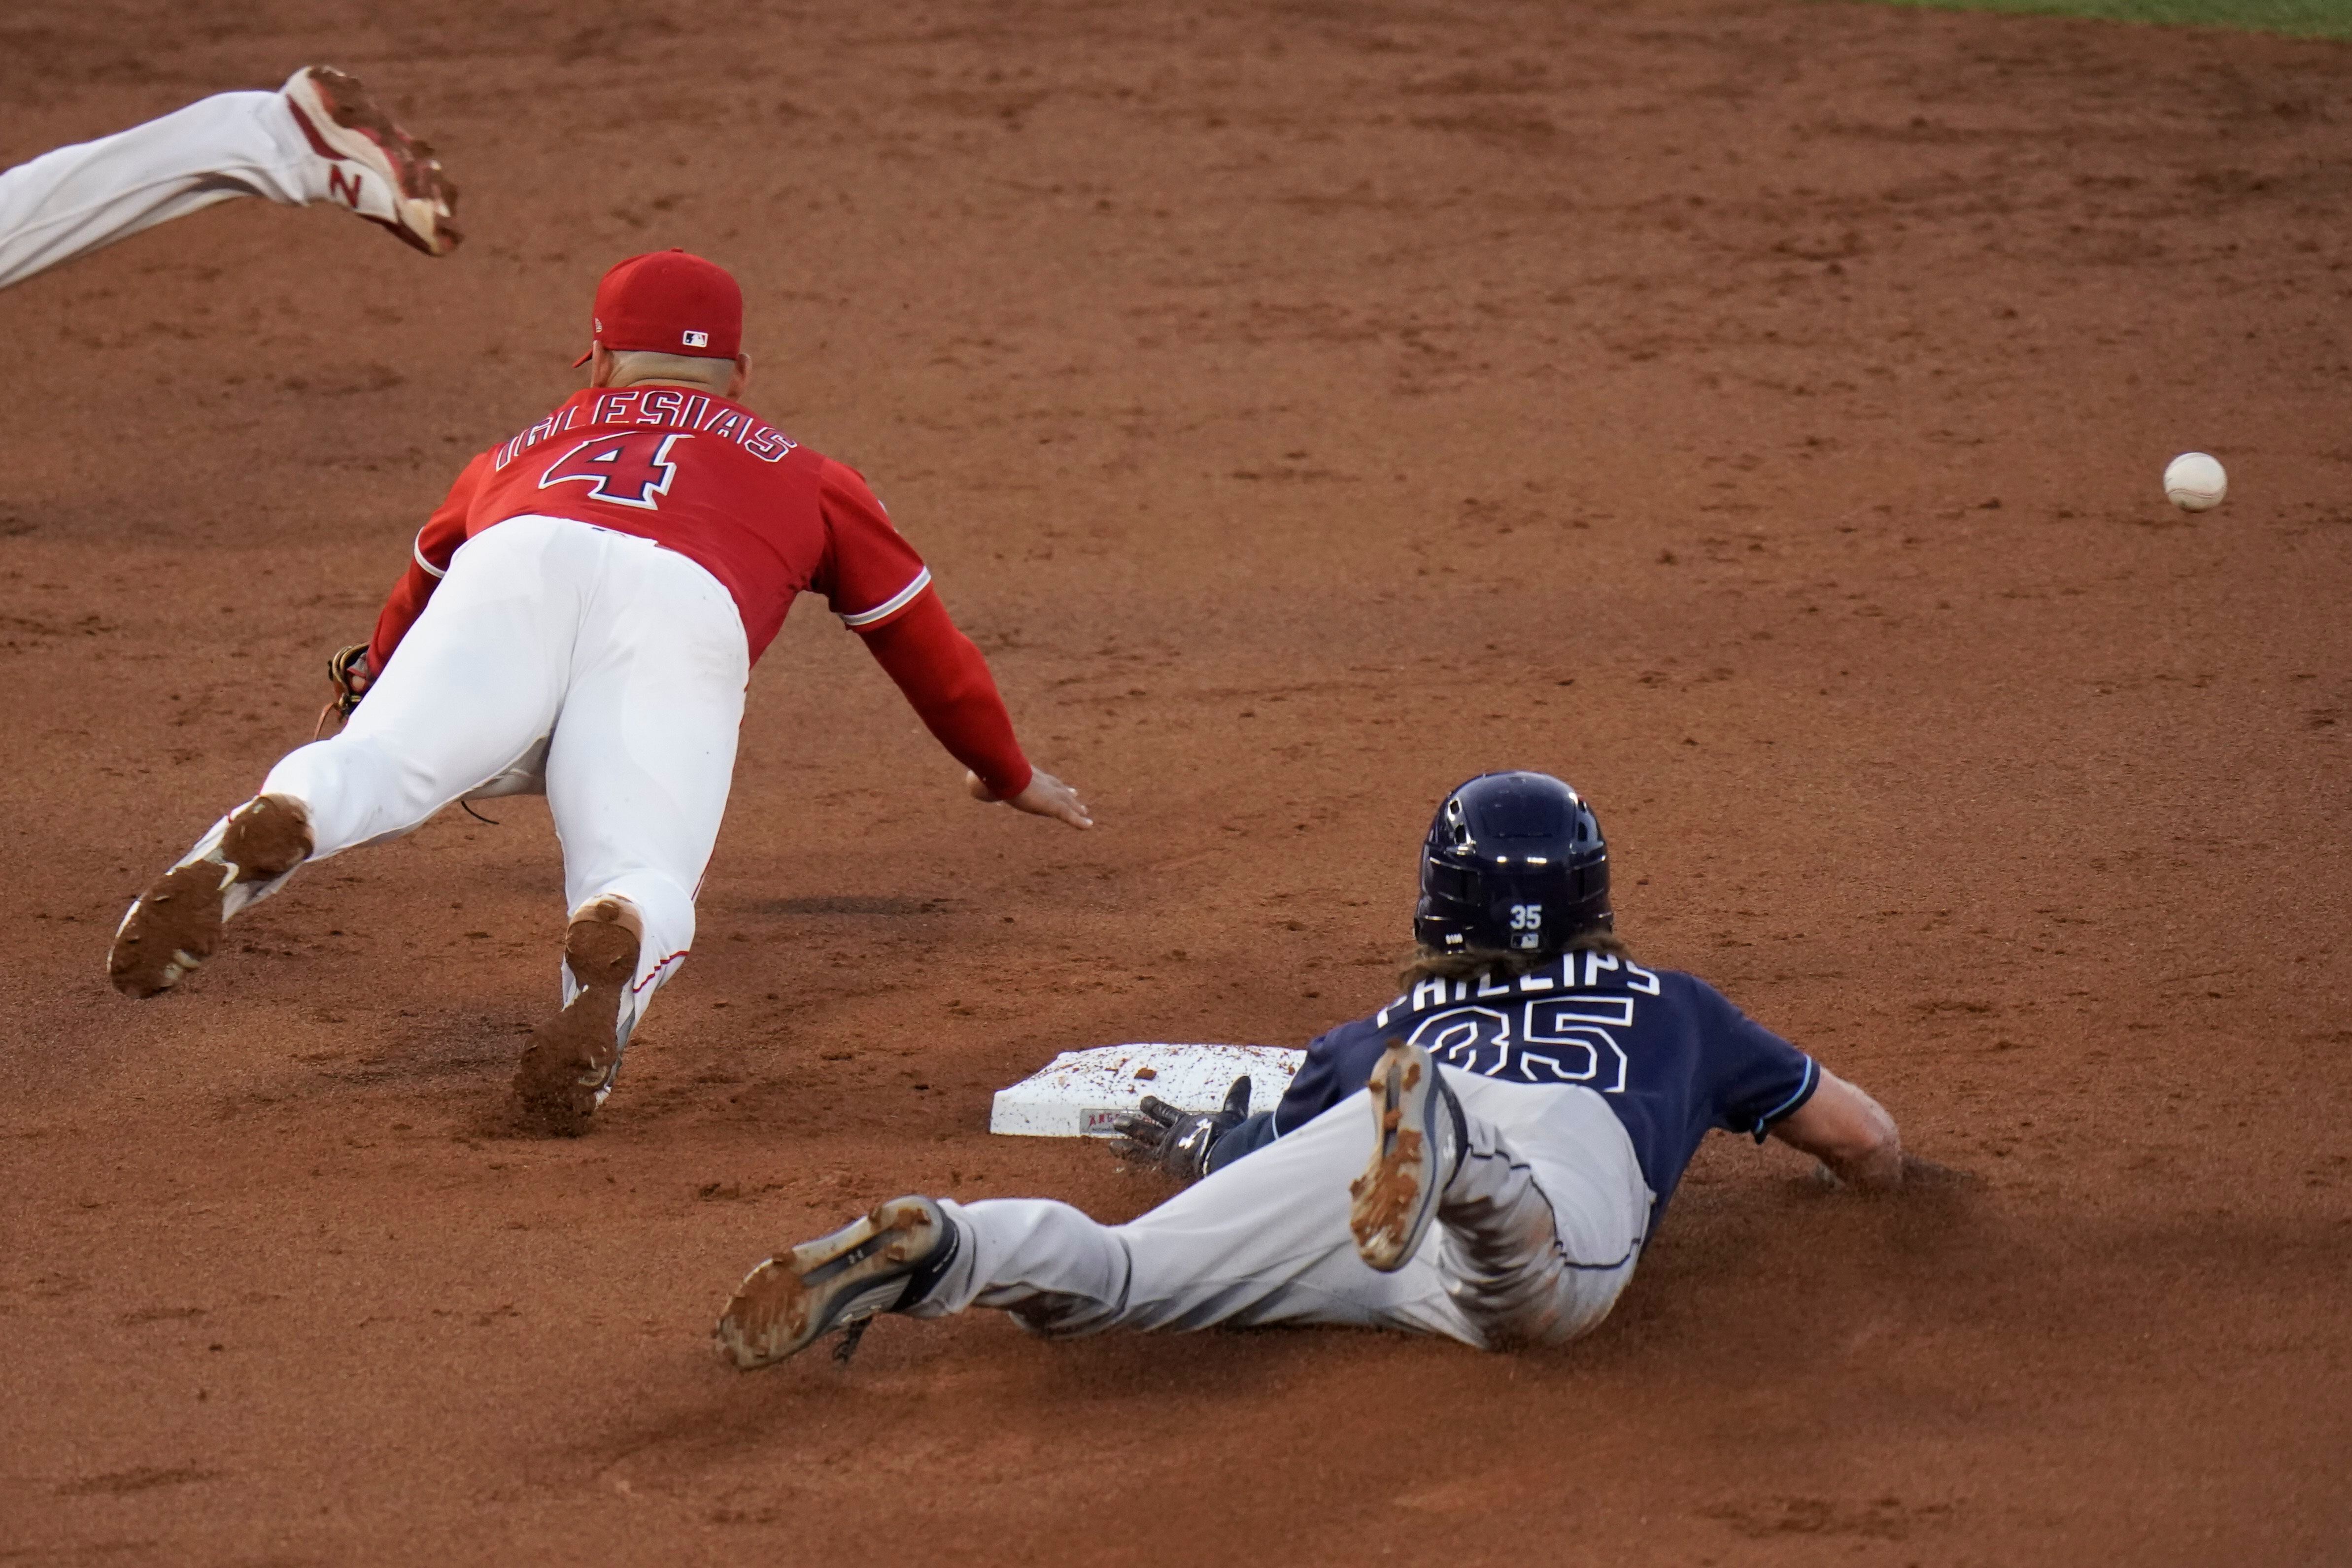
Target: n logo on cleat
(346, 190)
(634, 469)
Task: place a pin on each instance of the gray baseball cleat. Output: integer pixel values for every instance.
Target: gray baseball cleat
(376, 169)
(885, 1262)
(568, 1069)
(176, 924)
(1417, 1140)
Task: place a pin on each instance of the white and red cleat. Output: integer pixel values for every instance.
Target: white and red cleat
(176, 924)
(374, 168)
(568, 1069)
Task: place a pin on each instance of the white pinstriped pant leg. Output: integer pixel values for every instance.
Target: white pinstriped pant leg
(1538, 1233)
(77, 199)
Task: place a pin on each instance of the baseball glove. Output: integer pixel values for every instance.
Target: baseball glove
(348, 673)
(1178, 1142)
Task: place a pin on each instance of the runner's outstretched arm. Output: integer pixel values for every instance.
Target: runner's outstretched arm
(1848, 1132)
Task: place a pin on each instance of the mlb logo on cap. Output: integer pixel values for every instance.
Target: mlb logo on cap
(696, 340)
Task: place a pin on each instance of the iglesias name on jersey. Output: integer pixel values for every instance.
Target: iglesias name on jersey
(702, 476)
(1665, 1051)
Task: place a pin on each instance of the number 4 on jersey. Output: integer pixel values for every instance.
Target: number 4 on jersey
(634, 469)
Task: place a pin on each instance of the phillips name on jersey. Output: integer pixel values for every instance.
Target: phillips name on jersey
(1666, 1052)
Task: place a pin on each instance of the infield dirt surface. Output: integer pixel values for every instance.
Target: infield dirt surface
(1750, 412)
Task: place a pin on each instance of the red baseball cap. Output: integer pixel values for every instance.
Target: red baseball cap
(672, 302)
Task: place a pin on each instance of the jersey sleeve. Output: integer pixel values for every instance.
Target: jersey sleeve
(1323, 1081)
(1338, 1063)
(1757, 1078)
(869, 573)
(428, 560)
(946, 680)
(1247, 1137)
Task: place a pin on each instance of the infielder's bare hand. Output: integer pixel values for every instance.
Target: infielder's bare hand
(1046, 797)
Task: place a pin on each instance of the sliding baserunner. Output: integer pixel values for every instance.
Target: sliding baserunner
(1532, 1098)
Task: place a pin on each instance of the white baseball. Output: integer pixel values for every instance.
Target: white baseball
(2195, 482)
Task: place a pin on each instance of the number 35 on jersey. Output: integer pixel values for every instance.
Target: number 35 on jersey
(1512, 1030)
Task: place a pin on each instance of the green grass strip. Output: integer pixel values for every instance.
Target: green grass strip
(2305, 18)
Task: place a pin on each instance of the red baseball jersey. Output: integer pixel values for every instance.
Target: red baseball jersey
(702, 475)
(766, 516)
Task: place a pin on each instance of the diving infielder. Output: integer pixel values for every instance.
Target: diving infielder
(1532, 1100)
(319, 139)
(581, 616)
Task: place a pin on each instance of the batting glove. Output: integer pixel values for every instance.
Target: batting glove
(1178, 1142)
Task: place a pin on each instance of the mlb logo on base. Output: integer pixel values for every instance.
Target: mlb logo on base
(696, 340)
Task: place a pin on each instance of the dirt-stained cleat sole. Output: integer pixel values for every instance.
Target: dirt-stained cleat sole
(568, 1067)
(885, 1262)
(176, 925)
(381, 173)
(1415, 1144)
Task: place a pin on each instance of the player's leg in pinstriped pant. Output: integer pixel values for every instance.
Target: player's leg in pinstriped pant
(79, 198)
(73, 200)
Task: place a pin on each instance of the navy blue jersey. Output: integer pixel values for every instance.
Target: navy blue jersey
(1669, 1052)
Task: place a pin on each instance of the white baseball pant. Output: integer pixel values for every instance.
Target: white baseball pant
(79, 198)
(1537, 1233)
(625, 662)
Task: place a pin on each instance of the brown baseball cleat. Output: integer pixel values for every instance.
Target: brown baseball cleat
(376, 169)
(885, 1262)
(176, 924)
(1416, 1145)
(569, 1067)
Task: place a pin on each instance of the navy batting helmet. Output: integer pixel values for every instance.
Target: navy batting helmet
(1513, 861)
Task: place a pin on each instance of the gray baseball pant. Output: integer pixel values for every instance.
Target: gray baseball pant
(1539, 1229)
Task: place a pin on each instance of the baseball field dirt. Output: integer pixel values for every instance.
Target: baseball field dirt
(1750, 410)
